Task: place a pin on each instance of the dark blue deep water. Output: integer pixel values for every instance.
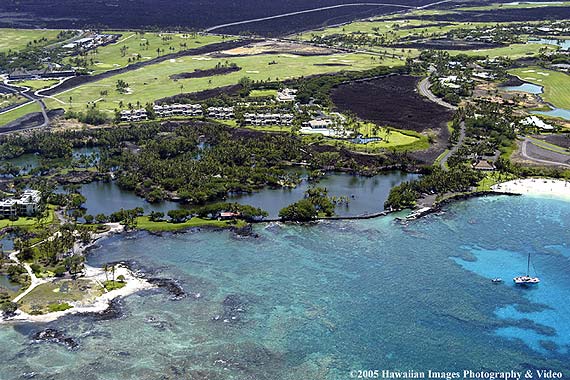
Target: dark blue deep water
(315, 302)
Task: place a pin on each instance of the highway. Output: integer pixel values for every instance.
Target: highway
(323, 9)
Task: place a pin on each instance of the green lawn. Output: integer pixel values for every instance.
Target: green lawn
(269, 128)
(7, 100)
(396, 139)
(493, 178)
(394, 30)
(27, 222)
(16, 113)
(17, 39)
(556, 84)
(153, 82)
(514, 51)
(146, 44)
(45, 297)
(514, 5)
(35, 85)
(144, 223)
(262, 93)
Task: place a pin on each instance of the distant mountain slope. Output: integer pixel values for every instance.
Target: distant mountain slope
(199, 14)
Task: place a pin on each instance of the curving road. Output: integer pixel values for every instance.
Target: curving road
(525, 154)
(33, 98)
(324, 9)
(454, 148)
(423, 88)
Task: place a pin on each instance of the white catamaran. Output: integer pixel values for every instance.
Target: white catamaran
(526, 280)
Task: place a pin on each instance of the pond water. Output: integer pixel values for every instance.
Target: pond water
(107, 197)
(26, 162)
(365, 140)
(564, 44)
(555, 112)
(31, 161)
(366, 195)
(7, 242)
(7, 284)
(525, 87)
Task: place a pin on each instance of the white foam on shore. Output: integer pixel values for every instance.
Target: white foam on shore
(538, 187)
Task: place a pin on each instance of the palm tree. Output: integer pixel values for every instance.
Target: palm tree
(106, 270)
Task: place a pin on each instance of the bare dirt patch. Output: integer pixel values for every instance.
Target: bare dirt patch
(272, 47)
(206, 73)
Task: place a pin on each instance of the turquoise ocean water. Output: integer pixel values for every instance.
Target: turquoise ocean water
(315, 302)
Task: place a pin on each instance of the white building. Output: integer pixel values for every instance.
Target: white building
(221, 112)
(178, 109)
(268, 119)
(134, 115)
(286, 95)
(326, 127)
(26, 205)
(538, 123)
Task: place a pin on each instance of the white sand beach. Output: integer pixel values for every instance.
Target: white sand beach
(133, 284)
(540, 187)
(97, 275)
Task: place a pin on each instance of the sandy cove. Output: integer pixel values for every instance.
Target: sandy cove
(541, 187)
(100, 304)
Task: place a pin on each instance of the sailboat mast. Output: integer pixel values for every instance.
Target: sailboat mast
(528, 265)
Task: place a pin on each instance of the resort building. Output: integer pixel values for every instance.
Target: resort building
(134, 115)
(286, 95)
(221, 112)
(178, 109)
(483, 165)
(268, 119)
(89, 43)
(27, 205)
(533, 121)
(40, 74)
(326, 127)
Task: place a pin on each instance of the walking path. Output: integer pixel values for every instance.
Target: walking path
(34, 280)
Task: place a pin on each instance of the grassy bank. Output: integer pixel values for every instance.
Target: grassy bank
(30, 222)
(17, 113)
(154, 81)
(144, 223)
(556, 84)
(18, 39)
(142, 46)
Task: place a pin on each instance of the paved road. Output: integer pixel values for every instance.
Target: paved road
(24, 91)
(306, 11)
(424, 86)
(455, 147)
(324, 9)
(525, 154)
